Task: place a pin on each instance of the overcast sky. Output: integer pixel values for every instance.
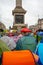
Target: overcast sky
(34, 10)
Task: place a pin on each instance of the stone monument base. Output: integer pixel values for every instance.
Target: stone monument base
(19, 26)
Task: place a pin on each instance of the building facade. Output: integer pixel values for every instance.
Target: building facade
(39, 25)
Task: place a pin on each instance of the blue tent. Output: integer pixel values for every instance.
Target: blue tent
(40, 51)
(40, 33)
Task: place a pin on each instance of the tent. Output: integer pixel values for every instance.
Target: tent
(40, 50)
(3, 47)
(40, 33)
(10, 34)
(26, 42)
(23, 57)
(16, 38)
(9, 42)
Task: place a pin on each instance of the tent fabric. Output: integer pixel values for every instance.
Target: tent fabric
(5, 39)
(19, 36)
(0, 36)
(26, 42)
(16, 38)
(10, 34)
(9, 41)
(3, 47)
(23, 57)
(41, 40)
(40, 52)
(40, 33)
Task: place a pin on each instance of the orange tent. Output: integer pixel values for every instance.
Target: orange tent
(23, 57)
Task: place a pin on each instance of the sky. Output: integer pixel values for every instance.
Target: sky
(34, 10)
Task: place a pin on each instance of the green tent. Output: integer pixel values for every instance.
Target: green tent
(3, 47)
(26, 42)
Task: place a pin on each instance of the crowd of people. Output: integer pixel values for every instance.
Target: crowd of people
(24, 40)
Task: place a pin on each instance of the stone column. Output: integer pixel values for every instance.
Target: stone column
(18, 3)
